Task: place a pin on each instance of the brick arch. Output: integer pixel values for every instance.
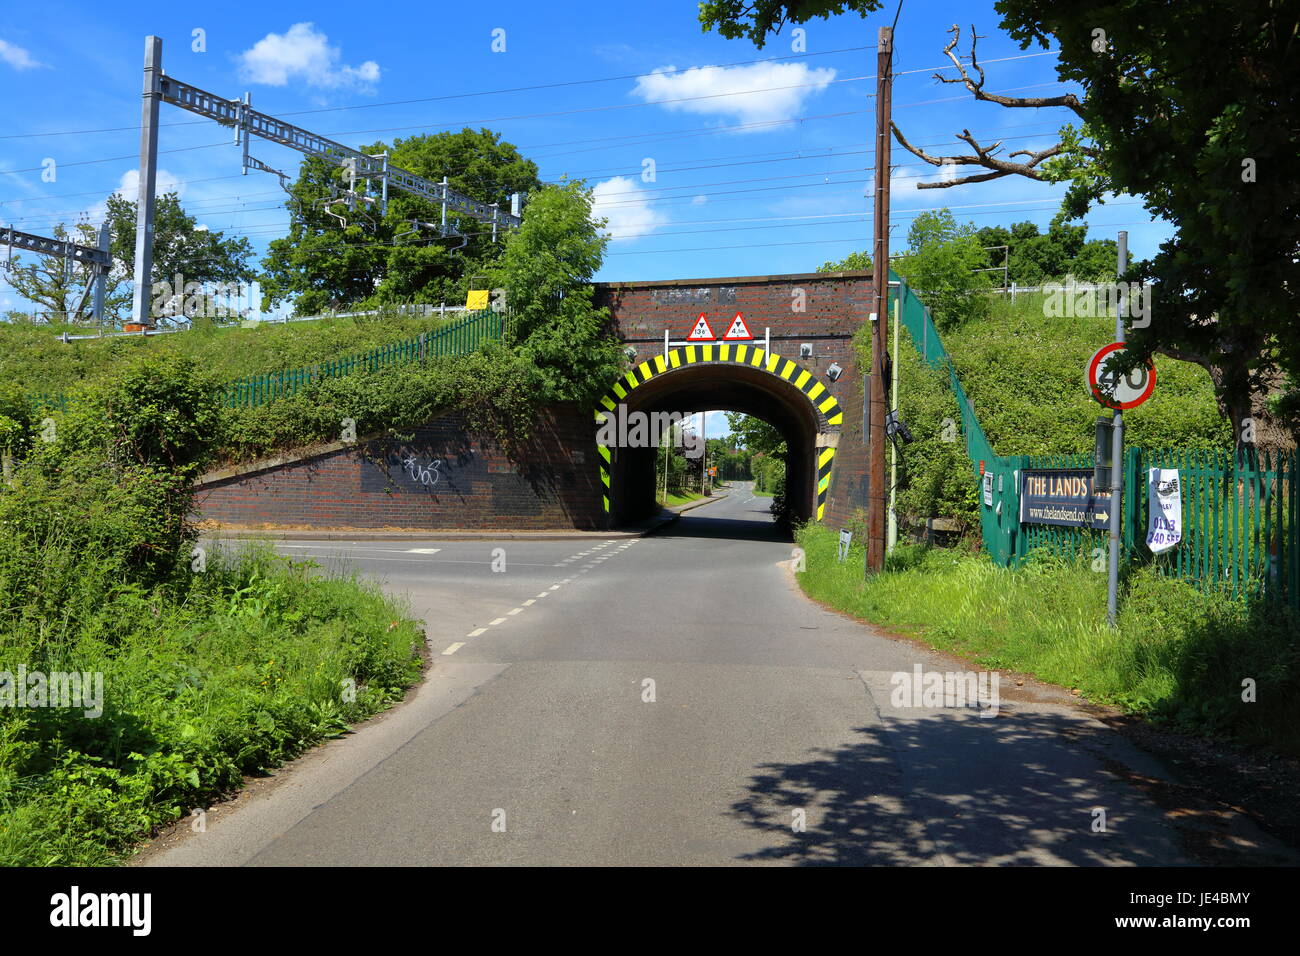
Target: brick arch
(786, 375)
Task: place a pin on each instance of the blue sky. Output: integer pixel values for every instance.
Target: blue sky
(744, 183)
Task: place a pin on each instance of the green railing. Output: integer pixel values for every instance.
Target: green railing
(1240, 510)
(459, 338)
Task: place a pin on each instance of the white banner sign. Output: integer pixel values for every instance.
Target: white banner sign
(845, 538)
(1165, 524)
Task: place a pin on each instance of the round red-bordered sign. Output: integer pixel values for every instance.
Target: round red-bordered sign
(1126, 392)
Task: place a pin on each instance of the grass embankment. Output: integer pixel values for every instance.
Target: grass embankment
(1023, 370)
(680, 498)
(207, 678)
(33, 358)
(1179, 655)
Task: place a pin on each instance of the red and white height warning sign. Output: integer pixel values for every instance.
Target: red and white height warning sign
(739, 330)
(701, 332)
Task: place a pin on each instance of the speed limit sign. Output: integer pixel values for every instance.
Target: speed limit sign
(1118, 391)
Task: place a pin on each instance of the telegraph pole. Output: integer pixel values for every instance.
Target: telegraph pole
(880, 277)
(141, 296)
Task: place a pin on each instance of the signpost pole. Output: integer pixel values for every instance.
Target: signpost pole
(891, 538)
(1117, 453)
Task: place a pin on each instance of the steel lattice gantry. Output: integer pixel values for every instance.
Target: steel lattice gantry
(248, 122)
(97, 261)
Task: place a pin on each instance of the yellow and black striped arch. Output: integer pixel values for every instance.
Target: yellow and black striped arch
(735, 354)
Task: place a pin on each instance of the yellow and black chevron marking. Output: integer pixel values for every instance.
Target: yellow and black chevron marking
(736, 354)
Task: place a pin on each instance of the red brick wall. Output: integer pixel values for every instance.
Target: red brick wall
(834, 306)
(475, 485)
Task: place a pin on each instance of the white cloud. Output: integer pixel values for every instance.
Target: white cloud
(129, 188)
(303, 54)
(731, 91)
(699, 200)
(622, 201)
(17, 57)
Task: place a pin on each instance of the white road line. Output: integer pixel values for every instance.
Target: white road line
(423, 550)
(530, 602)
(453, 648)
(514, 612)
(544, 594)
(476, 632)
(554, 587)
(500, 620)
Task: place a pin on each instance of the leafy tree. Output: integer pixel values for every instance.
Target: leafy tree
(1037, 257)
(755, 435)
(942, 263)
(755, 19)
(180, 248)
(1191, 106)
(546, 270)
(356, 257)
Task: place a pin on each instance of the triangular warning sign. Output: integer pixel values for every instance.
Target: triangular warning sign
(738, 330)
(701, 332)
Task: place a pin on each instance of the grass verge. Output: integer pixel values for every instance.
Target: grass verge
(229, 673)
(1180, 656)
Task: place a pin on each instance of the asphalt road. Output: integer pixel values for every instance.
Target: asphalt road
(767, 735)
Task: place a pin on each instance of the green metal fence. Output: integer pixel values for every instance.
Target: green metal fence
(1240, 518)
(1240, 510)
(459, 338)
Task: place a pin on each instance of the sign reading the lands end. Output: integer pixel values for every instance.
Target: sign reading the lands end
(1063, 496)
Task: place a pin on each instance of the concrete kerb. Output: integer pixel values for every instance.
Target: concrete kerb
(649, 526)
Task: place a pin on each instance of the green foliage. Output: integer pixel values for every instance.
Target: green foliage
(206, 676)
(1023, 369)
(755, 435)
(323, 264)
(495, 386)
(1187, 106)
(33, 356)
(546, 270)
(942, 263)
(755, 19)
(179, 248)
(206, 679)
(1178, 654)
(1036, 258)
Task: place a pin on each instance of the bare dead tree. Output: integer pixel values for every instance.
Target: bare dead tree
(986, 157)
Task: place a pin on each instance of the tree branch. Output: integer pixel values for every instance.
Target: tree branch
(983, 157)
(1068, 100)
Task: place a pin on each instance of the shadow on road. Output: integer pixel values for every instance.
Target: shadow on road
(1022, 792)
(759, 528)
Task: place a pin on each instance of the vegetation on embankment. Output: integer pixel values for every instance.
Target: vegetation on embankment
(1179, 655)
(1024, 372)
(33, 357)
(209, 668)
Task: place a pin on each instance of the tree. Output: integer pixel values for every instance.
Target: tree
(755, 19)
(181, 248)
(546, 270)
(755, 435)
(942, 263)
(335, 257)
(1191, 106)
(52, 282)
(1038, 257)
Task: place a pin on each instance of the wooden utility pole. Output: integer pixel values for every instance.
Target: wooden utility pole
(880, 277)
